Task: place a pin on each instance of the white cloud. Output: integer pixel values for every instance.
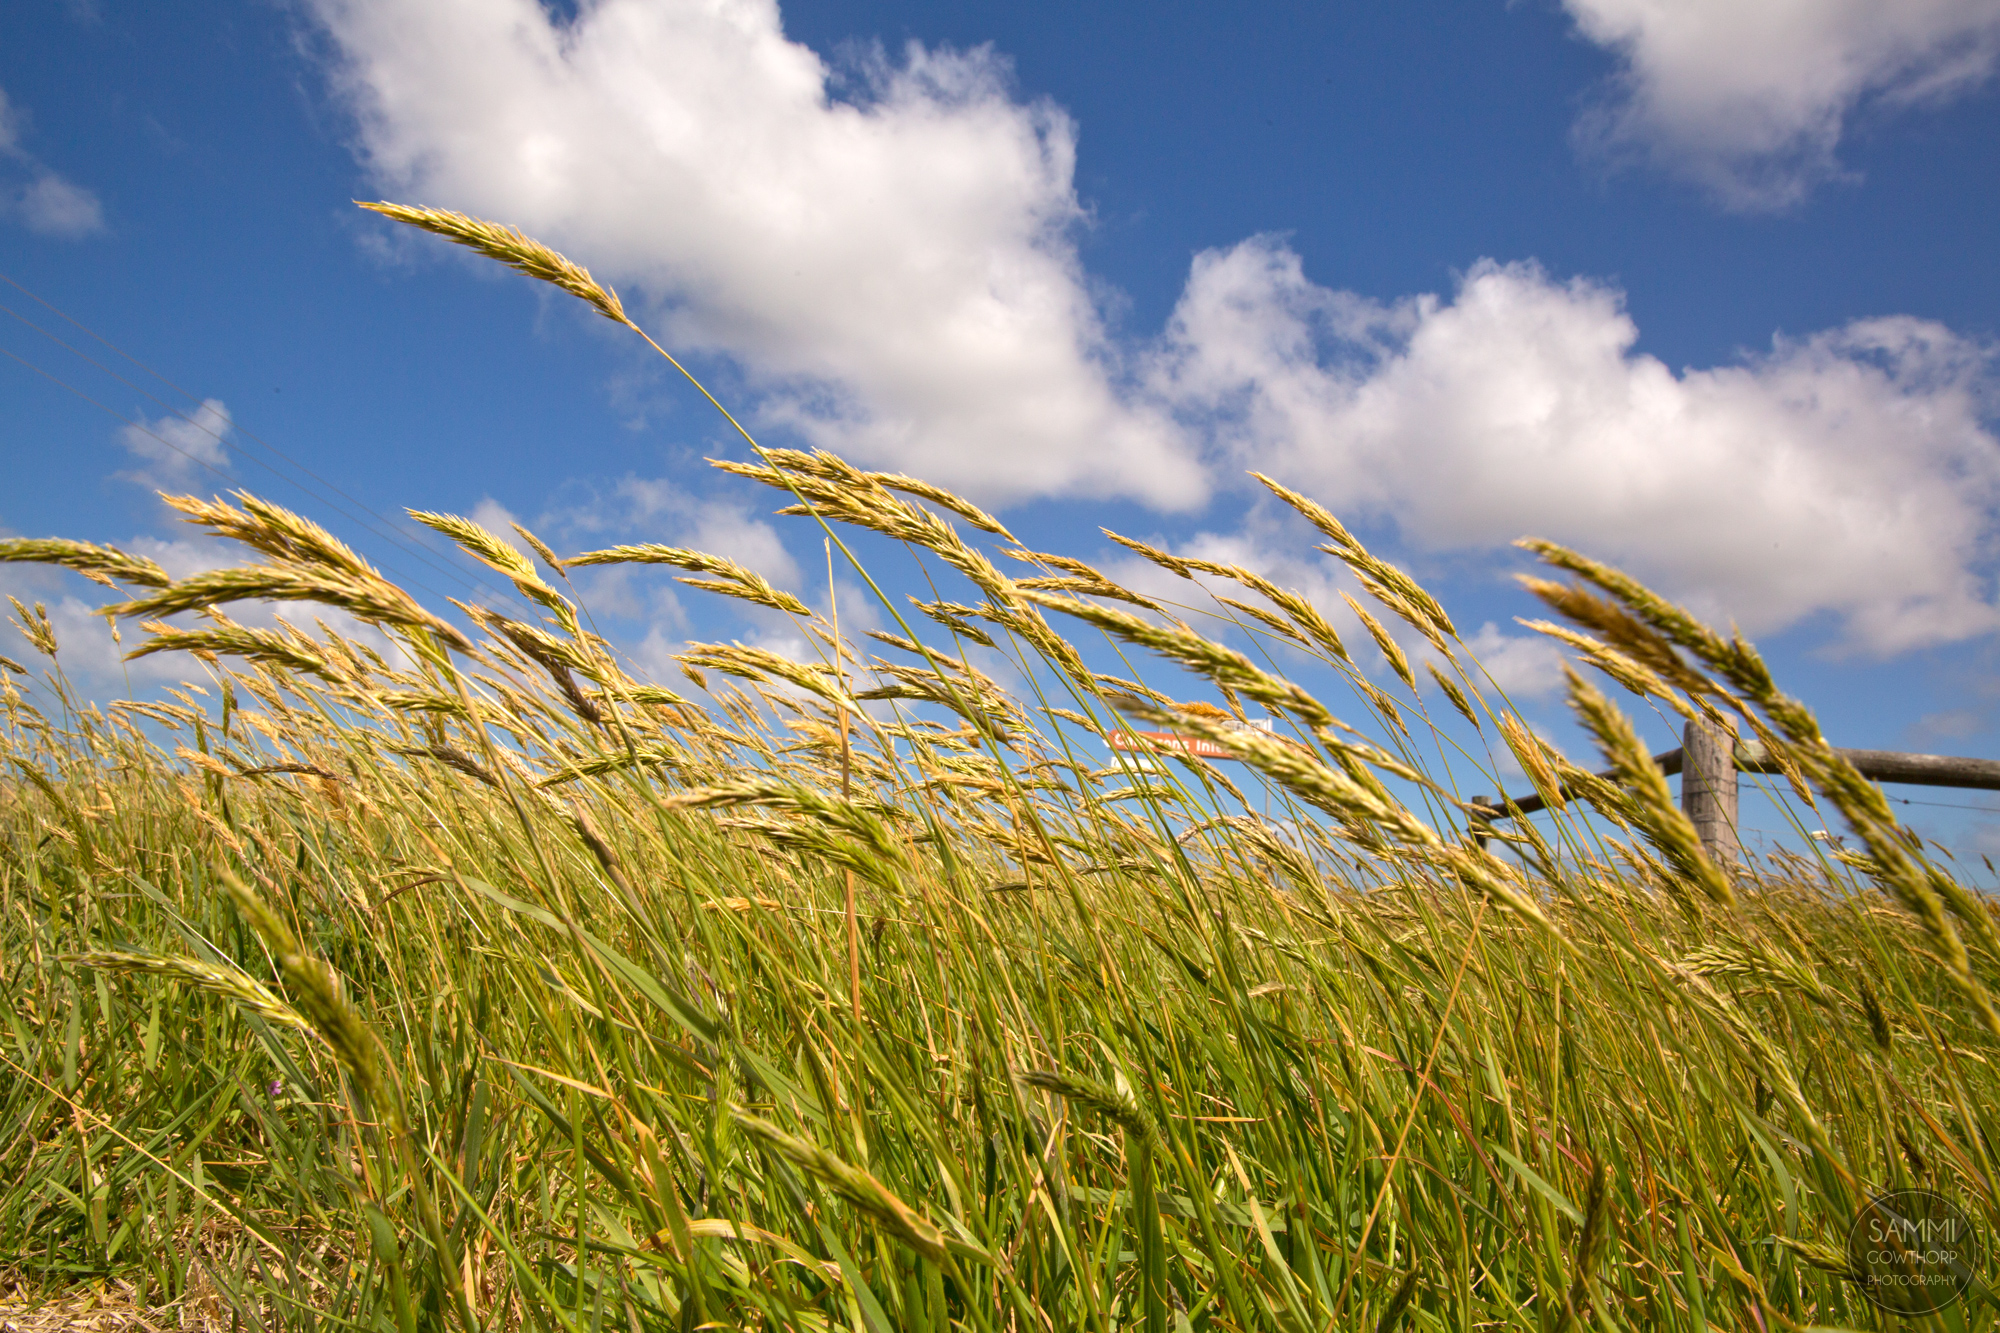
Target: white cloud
(183, 557)
(1849, 473)
(1748, 98)
(49, 204)
(1954, 724)
(895, 272)
(178, 448)
(496, 518)
(1521, 666)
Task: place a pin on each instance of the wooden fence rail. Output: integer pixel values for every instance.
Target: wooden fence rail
(1710, 758)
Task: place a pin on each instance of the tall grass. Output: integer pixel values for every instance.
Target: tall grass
(470, 982)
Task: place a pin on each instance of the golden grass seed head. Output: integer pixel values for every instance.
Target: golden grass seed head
(732, 579)
(1535, 759)
(757, 664)
(35, 627)
(851, 1183)
(1275, 624)
(1313, 512)
(1663, 822)
(1091, 587)
(1878, 1022)
(517, 251)
(1115, 1104)
(106, 565)
(956, 617)
(1628, 671)
(489, 549)
(273, 530)
(373, 598)
(1406, 597)
(1454, 693)
(1161, 558)
(1224, 666)
(1392, 652)
(1308, 618)
(539, 547)
(937, 495)
(318, 994)
(226, 982)
(258, 645)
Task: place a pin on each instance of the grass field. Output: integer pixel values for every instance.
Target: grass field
(403, 977)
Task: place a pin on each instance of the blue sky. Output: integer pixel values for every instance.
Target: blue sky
(1706, 290)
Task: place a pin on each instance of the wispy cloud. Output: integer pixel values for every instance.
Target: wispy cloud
(1749, 100)
(177, 450)
(45, 202)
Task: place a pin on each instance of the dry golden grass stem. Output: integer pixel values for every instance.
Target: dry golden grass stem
(100, 564)
(291, 649)
(1305, 617)
(1652, 804)
(498, 554)
(516, 250)
(732, 579)
(1650, 628)
(526, 255)
(35, 627)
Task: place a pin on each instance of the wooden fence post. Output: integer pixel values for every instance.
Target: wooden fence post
(1708, 788)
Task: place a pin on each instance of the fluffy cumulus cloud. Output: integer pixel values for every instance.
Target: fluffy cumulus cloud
(1749, 99)
(894, 269)
(38, 198)
(887, 253)
(1849, 473)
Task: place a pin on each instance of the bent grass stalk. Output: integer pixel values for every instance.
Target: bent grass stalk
(601, 1055)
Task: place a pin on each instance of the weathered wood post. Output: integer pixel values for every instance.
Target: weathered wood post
(1708, 788)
